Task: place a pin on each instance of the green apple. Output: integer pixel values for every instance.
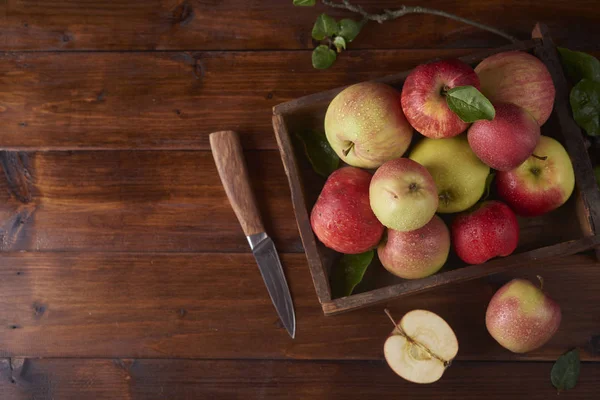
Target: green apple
(458, 174)
(365, 125)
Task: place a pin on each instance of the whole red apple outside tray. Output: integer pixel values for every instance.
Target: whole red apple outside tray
(342, 217)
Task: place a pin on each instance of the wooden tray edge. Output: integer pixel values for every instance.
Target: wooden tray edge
(495, 266)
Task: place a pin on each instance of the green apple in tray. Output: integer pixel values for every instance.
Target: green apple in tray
(459, 176)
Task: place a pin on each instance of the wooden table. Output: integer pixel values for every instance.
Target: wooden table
(124, 273)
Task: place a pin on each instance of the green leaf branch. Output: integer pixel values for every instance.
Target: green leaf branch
(348, 29)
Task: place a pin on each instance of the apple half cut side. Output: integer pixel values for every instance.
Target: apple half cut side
(421, 346)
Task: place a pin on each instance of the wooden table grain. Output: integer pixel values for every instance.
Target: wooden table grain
(123, 271)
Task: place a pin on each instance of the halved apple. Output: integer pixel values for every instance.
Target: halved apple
(421, 346)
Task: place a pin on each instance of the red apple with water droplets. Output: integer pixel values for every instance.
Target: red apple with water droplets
(519, 78)
(342, 217)
(416, 254)
(508, 140)
(488, 231)
(424, 101)
(521, 317)
(542, 183)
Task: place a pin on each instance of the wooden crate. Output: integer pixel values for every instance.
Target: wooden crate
(570, 229)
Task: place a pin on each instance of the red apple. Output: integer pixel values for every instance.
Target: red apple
(403, 195)
(416, 254)
(342, 218)
(521, 317)
(508, 140)
(519, 78)
(489, 231)
(539, 185)
(423, 100)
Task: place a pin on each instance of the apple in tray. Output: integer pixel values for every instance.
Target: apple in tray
(519, 78)
(342, 218)
(544, 182)
(365, 125)
(521, 317)
(488, 231)
(508, 140)
(424, 101)
(403, 195)
(416, 254)
(458, 174)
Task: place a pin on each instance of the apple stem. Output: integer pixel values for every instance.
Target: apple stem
(346, 151)
(408, 338)
(387, 312)
(541, 282)
(543, 158)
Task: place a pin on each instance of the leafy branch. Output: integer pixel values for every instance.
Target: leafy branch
(389, 15)
(334, 35)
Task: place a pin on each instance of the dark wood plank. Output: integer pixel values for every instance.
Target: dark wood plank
(148, 379)
(169, 100)
(216, 306)
(134, 201)
(274, 24)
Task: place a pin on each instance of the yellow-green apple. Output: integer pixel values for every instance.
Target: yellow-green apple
(424, 101)
(508, 140)
(519, 78)
(488, 231)
(458, 174)
(542, 183)
(365, 125)
(421, 347)
(342, 218)
(521, 317)
(416, 254)
(403, 195)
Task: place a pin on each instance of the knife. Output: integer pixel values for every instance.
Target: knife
(229, 158)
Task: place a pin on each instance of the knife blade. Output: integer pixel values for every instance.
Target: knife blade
(228, 154)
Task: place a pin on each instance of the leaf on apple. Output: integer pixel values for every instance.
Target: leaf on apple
(325, 26)
(349, 272)
(469, 104)
(323, 57)
(579, 65)
(585, 103)
(565, 371)
(322, 157)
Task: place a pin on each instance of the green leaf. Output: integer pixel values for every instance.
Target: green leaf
(469, 104)
(565, 371)
(323, 57)
(304, 3)
(585, 103)
(597, 173)
(488, 185)
(324, 26)
(339, 43)
(349, 272)
(318, 151)
(349, 29)
(579, 65)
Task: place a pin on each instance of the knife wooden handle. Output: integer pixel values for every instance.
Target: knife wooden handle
(229, 158)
